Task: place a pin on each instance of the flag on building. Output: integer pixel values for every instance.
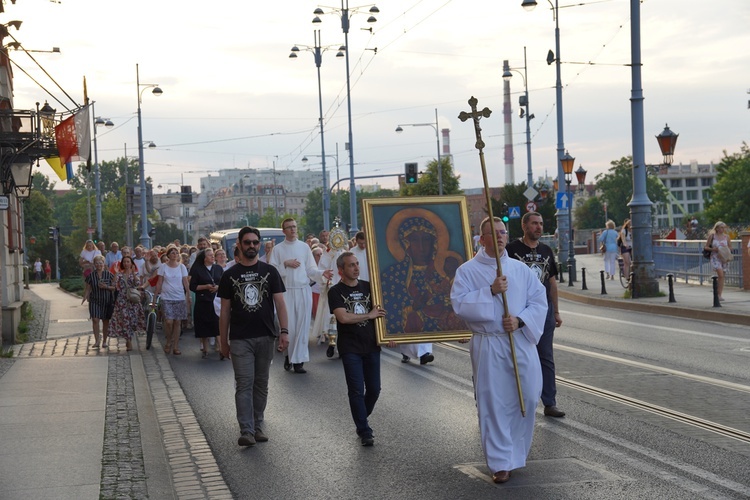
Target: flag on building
(58, 167)
(73, 137)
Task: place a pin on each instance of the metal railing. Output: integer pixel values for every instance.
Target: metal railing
(684, 259)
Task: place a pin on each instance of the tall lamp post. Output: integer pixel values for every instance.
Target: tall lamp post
(318, 52)
(97, 177)
(523, 101)
(567, 165)
(145, 238)
(399, 129)
(563, 217)
(344, 12)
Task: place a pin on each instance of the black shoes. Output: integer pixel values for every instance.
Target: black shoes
(329, 351)
(405, 358)
(425, 358)
(246, 439)
(287, 364)
(552, 411)
(259, 436)
(298, 368)
(367, 441)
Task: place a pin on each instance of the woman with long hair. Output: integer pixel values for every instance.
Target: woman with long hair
(608, 238)
(128, 317)
(174, 288)
(626, 246)
(720, 246)
(205, 275)
(86, 257)
(100, 285)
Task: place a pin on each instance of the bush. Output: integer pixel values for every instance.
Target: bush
(73, 285)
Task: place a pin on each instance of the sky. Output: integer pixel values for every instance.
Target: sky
(232, 98)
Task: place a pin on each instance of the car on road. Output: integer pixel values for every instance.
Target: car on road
(228, 237)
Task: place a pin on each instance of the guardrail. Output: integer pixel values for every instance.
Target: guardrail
(684, 259)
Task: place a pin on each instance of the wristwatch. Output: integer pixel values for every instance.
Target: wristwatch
(521, 324)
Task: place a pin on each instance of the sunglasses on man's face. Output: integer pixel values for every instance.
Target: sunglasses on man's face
(251, 242)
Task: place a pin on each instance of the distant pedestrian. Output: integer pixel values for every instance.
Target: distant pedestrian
(99, 292)
(113, 256)
(250, 292)
(86, 257)
(47, 271)
(38, 270)
(128, 317)
(608, 239)
(626, 246)
(720, 246)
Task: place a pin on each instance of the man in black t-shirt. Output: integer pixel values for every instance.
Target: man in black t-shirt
(540, 259)
(249, 291)
(351, 302)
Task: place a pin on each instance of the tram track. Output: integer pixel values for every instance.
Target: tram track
(661, 411)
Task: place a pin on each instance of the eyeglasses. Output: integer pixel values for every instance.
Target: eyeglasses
(251, 242)
(500, 232)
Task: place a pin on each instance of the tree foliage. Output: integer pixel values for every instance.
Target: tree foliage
(37, 217)
(428, 184)
(512, 195)
(616, 188)
(730, 195)
(590, 215)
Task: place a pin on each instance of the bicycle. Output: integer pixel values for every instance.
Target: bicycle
(624, 278)
(151, 307)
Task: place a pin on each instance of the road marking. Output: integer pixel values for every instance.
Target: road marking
(69, 321)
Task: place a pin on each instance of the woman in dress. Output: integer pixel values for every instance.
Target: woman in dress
(205, 275)
(609, 239)
(626, 249)
(128, 317)
(100, 285)
(717, 239)
(47, 271)
(86, 258)
(174, 288)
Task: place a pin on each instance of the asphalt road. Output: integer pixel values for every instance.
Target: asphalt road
(427, 439)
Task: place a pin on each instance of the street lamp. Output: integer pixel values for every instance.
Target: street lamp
(437, 138)
(97, 186)
(523, 101)
(563, 216)
(145, 238)
(344, 12)
(318, 52)
(567, 165)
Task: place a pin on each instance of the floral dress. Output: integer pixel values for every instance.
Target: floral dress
(716, 242)
(128, 317)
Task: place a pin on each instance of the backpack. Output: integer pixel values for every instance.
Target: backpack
(707, 253)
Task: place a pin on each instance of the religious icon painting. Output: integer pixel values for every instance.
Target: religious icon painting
(414, 246)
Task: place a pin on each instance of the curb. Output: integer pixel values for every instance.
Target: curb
(677, 311)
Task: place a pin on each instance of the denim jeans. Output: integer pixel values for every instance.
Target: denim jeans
(362, 373)
(251, 359)
(547, 358)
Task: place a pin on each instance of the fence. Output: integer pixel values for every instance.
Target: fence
(684, 259)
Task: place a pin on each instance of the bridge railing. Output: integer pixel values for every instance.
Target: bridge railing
(684, 259)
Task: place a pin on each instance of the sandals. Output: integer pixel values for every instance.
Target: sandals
(176, 352)
(203, 354)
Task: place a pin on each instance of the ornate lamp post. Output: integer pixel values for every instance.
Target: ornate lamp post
(145, 238)
(399, 129)
(567, 165)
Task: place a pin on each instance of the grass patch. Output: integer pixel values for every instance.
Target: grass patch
(73, 285)
(27, 314)
(6, 354)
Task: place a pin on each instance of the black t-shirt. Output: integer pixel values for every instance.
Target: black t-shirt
(541, 260)
(251, 290)
(358, 338)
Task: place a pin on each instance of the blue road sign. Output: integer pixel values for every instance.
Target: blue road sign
(563, 201)
(514, 212)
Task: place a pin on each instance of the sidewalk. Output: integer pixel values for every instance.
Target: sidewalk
(692, 301)
(83, 423)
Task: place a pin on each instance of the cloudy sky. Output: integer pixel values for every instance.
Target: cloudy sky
(233, 99)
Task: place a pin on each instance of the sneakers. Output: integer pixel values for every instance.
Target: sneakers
(298, 368)
(259, 436)
(246, 439)
(367, 441)
(426, 358)
(329, 351)
(405, 358)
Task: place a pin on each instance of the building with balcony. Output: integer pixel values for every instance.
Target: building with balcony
(688, 187)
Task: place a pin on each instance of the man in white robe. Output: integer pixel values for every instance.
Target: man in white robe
(296, 265)
(476, 296)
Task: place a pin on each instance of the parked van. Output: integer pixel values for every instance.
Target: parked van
(228, 237)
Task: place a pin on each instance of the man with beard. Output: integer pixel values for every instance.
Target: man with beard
(250, 291)
(540, 259)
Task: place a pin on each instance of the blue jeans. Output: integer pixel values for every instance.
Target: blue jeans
(251, 360)
(547, 359)
(362, 373)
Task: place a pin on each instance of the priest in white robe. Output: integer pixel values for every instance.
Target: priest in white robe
(296, 265)
(476, 296)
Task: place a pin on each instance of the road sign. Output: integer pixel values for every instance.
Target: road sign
(4, 202)
(563, 201)
(530, 194)
(514, 212)
(90, 230)
(531, 207)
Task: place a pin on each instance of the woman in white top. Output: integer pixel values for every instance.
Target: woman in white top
(86, 259)
(174, 288)
(718, 239)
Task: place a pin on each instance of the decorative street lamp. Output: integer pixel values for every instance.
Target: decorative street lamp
(145, 238)
(523, 101)
(667, 141)
(567, 165)
(437, 137)
(344, 12)
(581, 177)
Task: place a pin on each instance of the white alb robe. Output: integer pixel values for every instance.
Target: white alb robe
(506, 435)
(324, 320)
(298, 295)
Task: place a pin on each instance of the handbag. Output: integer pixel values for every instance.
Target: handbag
(134, 295)
(603, 248)
(706, 254)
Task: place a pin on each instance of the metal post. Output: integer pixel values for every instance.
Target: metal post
(602, 278)
(646, 284)
(145, 238)
(128, 212)
(571, 241)
(97, 182)
(562, 216)
(583, 279)
(326, 200)
(670, 278)
(352, 185)
(529, 173)
(715, 286)
(439, 165)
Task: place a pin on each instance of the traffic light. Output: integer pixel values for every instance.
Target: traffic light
(504, 213)
(186, 194)
(52, 233)
(412, 173)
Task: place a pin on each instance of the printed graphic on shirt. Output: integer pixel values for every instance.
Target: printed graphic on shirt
(357, 303)
(537, 263)
(251, 289)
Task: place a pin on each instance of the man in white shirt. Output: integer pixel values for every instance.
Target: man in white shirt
(360, 252)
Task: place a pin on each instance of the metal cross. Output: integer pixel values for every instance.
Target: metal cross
(476, 116)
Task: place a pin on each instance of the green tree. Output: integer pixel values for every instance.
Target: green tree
(512, 195)
(730, 195)
(428, 184)
(165, 233)
(37, 219)
(616, 188)
(590, 215)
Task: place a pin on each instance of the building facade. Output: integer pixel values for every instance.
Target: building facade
(688, 187)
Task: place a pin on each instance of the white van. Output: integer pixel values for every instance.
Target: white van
(228, 237)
